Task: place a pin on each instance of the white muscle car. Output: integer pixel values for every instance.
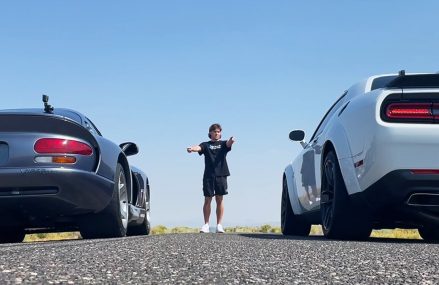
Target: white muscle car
(372, 162)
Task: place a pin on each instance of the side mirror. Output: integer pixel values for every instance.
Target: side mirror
(129, 148)
(297, 135)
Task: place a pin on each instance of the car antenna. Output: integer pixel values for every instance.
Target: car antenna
(401, 72)
(47, 108)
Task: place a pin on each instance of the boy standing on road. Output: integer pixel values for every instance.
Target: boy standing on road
(215, 174)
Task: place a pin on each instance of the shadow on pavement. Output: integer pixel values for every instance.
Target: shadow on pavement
(279, 236)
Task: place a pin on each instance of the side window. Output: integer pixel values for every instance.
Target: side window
(328, 115)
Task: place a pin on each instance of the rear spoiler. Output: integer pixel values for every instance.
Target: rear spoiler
(414, 81)
(50, 124)
(403, 81)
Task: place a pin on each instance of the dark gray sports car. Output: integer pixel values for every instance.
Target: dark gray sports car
(58, 173)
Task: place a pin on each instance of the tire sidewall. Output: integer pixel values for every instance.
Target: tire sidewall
(340, 198)
(12, 235)
(115, 203)
(285, 208)
(291, 224)
(348, 222)
(429, 234)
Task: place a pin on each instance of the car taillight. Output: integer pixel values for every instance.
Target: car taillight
(410, 111)
(62, 159)
(53, 145)
(425, 171)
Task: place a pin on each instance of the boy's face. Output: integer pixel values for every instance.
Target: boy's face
(215, 134)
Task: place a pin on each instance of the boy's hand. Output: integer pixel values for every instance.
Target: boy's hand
(189, 149)
(230, 141)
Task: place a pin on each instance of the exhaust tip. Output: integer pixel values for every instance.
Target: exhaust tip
(423, 199)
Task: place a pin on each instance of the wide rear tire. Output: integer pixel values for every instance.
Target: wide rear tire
(11, 235)
(429, 233)
(113, 220)
(142, 229)
(339, 218)
(291, 224)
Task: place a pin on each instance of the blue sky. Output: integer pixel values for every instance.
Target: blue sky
(159, 73)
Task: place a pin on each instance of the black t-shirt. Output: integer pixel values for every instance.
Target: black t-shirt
(215, 158)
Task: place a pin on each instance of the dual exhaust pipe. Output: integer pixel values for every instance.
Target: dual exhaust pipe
(423, 199)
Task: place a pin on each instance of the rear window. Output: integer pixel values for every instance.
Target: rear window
(382, 82)
(68, 114)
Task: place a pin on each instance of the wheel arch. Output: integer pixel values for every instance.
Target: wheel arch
(140, 183)
(338, 142)
(122, 159)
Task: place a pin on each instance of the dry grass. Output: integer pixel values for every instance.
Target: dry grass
(397, 233)
(52, 236)
(386, 233)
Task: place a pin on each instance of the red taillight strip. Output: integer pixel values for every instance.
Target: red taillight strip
(424, 171)
(54, 145)
(410, 111)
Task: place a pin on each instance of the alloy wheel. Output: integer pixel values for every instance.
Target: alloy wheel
(327, 194)
(123, 199)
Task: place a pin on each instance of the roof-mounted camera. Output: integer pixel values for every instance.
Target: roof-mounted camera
(47, 108)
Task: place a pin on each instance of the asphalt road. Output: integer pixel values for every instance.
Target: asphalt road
(220, 259)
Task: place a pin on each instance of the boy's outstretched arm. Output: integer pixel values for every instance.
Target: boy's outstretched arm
(230, 142)
(195, 148)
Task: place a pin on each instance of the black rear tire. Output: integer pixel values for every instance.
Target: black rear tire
(12, 235)
(291, 224)
(141, 230)
(110, 222)
(429, 233)
(339, 218)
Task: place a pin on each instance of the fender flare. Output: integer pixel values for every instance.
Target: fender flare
(292, 191)
(337, 140)
(111, 154)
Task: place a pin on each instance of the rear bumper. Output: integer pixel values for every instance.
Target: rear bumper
(391, 201)
(47, 192)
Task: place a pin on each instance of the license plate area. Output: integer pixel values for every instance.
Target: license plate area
(4, 153)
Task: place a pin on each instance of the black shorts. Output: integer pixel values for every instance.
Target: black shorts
(213, 186)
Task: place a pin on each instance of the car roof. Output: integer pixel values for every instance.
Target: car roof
(60, 112)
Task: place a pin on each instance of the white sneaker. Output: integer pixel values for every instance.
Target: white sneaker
(219, 229)
(205, 229)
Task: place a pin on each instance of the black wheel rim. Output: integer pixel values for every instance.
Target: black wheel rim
(284, 204)
(327, 194)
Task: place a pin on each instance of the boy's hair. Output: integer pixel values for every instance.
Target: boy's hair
(214, 127)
